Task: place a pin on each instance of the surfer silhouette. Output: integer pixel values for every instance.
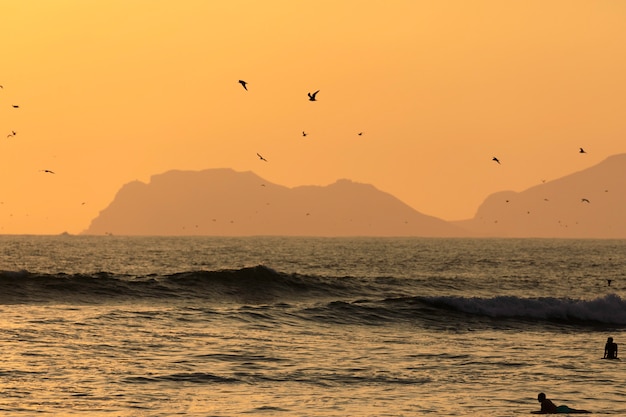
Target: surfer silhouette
(548, 407)
(610, 349)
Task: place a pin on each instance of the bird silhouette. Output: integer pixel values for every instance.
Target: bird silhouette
(303, 133)
(13, 133)
(582, 151)
(15, 106)
(360, 133)
(495, 159)
(243, 84)
(584, 200)
(261, 157)
(47, 171)
(312, 96)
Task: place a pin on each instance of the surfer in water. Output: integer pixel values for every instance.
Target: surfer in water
(548, 407)
(610, 349)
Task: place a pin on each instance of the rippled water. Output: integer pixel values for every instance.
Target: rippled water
(338, 326)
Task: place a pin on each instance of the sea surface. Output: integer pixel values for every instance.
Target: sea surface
(269, 326)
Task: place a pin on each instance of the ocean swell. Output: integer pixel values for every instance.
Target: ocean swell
(348, 300)
(258, 284)
(610, 309)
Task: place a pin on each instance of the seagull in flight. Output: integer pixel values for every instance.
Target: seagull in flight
(360, 133)
(495, 159)
(47, 171)
(243, 84)
(582, 151)
(584, 200)
(15, 106)
(13, 133)
(312, 96)
(303, 133)
(261, 157)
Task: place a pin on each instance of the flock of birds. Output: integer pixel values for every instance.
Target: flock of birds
(312, 97)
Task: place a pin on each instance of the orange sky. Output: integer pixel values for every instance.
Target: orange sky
(118, 90)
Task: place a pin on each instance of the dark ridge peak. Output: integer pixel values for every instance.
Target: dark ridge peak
(586, 204)
(224, 202)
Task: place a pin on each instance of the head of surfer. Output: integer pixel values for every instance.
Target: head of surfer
(610, 340)
(541, 397)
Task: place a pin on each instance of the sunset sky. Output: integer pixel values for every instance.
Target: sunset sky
(119, 90)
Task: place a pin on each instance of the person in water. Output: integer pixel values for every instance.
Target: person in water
(610, 349)
(548, 407)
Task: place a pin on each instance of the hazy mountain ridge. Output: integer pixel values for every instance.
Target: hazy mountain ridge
(223, 202)
(587, 204)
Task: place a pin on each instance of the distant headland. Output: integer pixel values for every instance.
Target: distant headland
(223, 202)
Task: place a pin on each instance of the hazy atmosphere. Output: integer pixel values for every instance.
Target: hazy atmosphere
(415, 98)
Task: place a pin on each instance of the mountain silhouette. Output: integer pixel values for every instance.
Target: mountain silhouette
(223, 202)
(587, 204)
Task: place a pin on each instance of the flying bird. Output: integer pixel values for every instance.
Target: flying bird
(495, 159)
(243, 84)
(582, 151)
(303, 133)
(47, 171)
(13, 133)
(15, 106)
(312, 96)
(261, 157)
(584, 200)
(360, 133)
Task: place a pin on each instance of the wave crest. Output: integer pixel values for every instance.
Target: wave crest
(610, 309)
(251, 284)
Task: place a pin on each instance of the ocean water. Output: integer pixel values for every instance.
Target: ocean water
(205, 326)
